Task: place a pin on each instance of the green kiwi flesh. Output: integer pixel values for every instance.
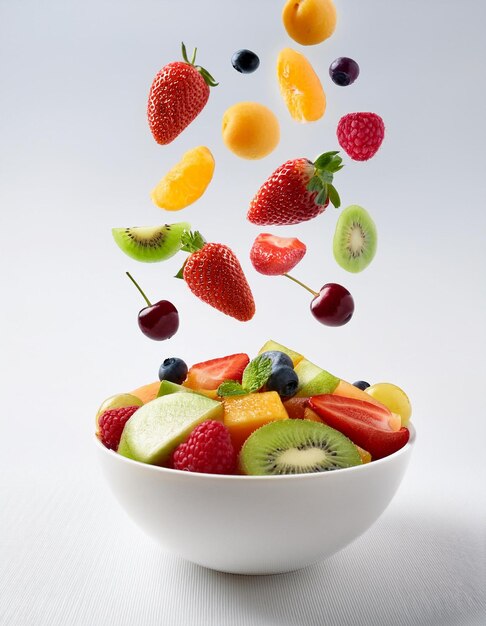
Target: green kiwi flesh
(150, 243)
(355, 238)
(296, 446)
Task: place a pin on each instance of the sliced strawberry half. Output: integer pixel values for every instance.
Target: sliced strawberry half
(274, 256)
(210, 374)
(366, 424)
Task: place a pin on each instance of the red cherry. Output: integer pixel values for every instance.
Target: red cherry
(333, 306)
(158, 321)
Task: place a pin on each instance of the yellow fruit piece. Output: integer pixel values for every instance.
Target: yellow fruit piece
(147, 392)
(309, 414)
(273, 345)
(300, 86)
(364, 454)
(392, 397)
(309, 22)
(185, 182)
(250, 130)
(244, 414)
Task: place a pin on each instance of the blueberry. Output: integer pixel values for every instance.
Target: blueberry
(344, 71)
(245, 61)
(361, 384)
(174, 370)
(278, 359)
(284, 381)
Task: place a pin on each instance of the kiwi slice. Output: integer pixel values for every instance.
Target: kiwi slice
(151, 243)
(296, 446)
(355, 239)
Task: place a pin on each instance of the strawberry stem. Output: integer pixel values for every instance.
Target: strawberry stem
(138, 287)
(326, 165)
(209, 80)
(314, 293)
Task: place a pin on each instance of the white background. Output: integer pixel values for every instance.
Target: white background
(77, 158)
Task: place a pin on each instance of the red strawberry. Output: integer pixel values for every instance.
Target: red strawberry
(208, 449)
(111, 424)
(297, 191)
(210, 374)
(364, 423)
(178, 94)
(360, 135)
(275, 256)
(214, 275)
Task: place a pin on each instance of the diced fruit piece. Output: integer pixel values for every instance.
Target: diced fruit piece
(333, 305)
(361, 384)
(210, 374)
(392, 397)
(300, 86)
(117, 401)
(284, 381)
(365, 424)
(271, 345)
(274, 256)
(364, 454)
(157, 428)
(112, 423)
(344, 71)
(296, 407)
(186, 181)
(178, 94)
(309, 22)
(296, 447)
(167, 387)
(244, 414)
(214, 274)
(208, 449)
(311, 415)
(245, 61)
(150, 243)
(147, 393)
(250, 130)
(355, 239)
(174, 370)
(360, 135)
(313, 380)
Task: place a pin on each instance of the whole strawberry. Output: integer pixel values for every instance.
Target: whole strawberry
(214, 274)
(111, 424)
(208, 449)
(360, 135)
(297, 191)
(178, 94)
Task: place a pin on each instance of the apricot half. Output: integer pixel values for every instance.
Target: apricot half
(250, 130)
(309, 22)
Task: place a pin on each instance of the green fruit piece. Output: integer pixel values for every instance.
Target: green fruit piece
(158, 427)
(355, 238)
(393, 398)
(273, 345)
(167, 387)
(313, 380)
(296, 447)
(116, 402)
(150, 243)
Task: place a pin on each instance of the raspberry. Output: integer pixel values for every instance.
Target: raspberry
(111, 424)
(208, 449)
(360, 135)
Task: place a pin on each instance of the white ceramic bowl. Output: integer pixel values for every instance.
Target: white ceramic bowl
(254, 524)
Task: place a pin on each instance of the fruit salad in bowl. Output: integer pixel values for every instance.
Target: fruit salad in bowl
(219, 460)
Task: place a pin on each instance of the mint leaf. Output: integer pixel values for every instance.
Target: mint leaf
(256, 373)
(231, 388)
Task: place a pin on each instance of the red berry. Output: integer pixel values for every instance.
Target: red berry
(111, 424)
(360, 135)
(210, 374)
(274, 256)
(208, 450)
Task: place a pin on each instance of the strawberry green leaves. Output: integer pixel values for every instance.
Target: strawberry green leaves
(326, 165)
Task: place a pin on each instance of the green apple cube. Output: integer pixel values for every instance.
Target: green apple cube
(158, 427)
(168, 387)
(313, 380)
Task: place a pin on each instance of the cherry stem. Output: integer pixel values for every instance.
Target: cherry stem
(314, 293)
(138, 287)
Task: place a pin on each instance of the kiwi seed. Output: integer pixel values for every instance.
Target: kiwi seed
(354, 244)
(296, 446)
(151, 243)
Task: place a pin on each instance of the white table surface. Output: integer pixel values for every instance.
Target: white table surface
(76, 159)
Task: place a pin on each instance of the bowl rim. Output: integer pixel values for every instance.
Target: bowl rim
(242, 477)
